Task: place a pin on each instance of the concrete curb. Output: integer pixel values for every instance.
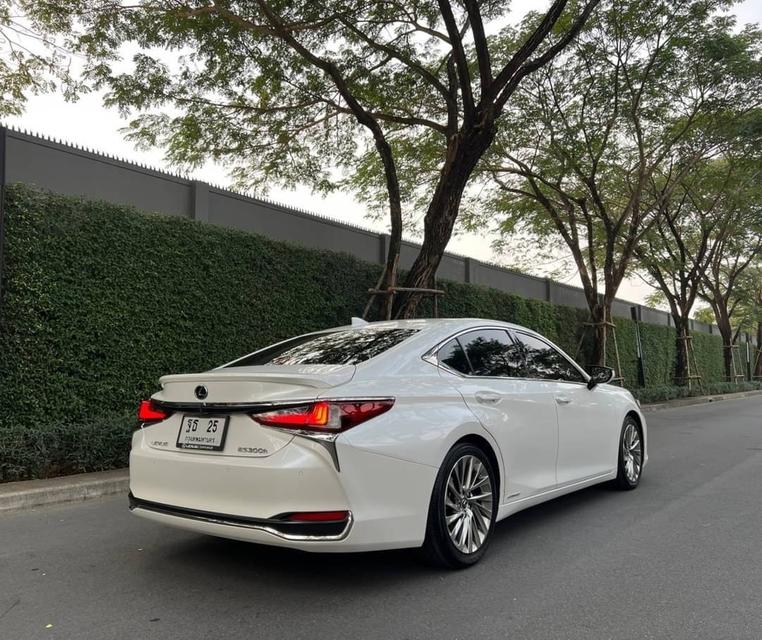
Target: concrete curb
(687, 402)
(28, 494)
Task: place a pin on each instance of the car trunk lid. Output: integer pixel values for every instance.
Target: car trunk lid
(232, 394)
(246, 385)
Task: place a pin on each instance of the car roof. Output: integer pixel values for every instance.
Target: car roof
(443, 324)
(434, 331)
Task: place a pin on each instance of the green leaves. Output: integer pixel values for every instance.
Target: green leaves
(599, 140)
(29, 63)
(215, 83)
(100, 301)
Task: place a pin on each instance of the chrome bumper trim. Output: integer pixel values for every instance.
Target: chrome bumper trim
(136, 504)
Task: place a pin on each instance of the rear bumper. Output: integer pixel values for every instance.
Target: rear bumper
(292, 531)
(241, 498)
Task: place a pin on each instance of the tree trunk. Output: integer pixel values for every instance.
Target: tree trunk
(727, 349)
(682, 329)
(599, 314)
(758, 362)
(727, 359)
(463, 153)
(389, 275)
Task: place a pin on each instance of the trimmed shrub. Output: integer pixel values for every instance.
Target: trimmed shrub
(61, 448)
(662, 394)
(100, 300)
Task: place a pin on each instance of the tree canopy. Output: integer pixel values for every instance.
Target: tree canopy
(712, 213)
(395, 100)
(30, 63)
(597, 142)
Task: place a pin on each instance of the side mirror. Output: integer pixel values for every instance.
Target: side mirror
(599, 375)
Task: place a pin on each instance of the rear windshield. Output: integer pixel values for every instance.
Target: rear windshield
(332, 347)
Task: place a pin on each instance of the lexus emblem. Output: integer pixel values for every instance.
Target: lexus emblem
(201, 392)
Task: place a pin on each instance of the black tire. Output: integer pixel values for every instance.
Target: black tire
(625, 479)
(439, 547)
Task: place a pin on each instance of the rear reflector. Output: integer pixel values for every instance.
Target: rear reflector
(318, 516)
(327, 416)
(149, 412)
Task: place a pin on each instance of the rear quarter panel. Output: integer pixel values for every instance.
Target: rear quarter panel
(427, 419)
(390, 463)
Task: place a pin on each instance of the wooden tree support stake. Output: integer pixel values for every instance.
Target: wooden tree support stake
(609, 325)
(735, 376)
(389, 302)
(690, 352)
(756, 363)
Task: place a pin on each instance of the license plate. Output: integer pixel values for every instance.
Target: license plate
(203, 432)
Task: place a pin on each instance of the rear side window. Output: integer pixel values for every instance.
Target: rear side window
(546, 363)
(332, 347)
(491, 352)
(485, 352)
(452, 355)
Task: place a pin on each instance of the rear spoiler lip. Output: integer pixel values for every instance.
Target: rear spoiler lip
(306, 380)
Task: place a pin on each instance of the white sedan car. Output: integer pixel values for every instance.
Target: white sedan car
(384, 435)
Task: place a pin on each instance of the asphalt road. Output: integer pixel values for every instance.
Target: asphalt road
(681, 557)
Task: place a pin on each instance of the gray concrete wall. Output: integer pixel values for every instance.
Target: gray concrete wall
(81, 172)
(568, 295)
(236, 211)
(73, 171)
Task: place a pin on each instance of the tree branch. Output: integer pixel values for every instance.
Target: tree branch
(480, 43)
(459, 56)
(508, 79)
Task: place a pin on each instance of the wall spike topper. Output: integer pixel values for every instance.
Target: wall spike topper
(185, 176)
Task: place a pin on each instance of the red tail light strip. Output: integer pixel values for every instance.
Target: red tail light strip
(149, 412)
(325, 416)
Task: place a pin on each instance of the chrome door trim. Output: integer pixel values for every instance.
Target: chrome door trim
(430, 356)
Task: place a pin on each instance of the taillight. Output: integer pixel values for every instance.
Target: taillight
(325, 415)
(149, 412)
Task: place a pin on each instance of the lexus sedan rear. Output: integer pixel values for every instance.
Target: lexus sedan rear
(383, 435)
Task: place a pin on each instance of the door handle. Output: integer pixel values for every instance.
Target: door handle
(563, 400)
(487, 397)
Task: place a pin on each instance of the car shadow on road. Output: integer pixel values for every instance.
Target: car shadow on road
(260, 562)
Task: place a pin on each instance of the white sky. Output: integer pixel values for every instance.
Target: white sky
(88, 123)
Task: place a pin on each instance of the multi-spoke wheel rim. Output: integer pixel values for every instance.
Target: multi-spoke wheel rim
(468, 504)
(632, 453)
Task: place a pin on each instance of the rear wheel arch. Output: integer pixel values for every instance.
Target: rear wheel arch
(484, 444)
(440, 546)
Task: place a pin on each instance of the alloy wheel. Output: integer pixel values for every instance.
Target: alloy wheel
(468, 504)
(632, 453)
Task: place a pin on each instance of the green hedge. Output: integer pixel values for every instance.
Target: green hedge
(100, 300)
(660, 394)
(62, 447)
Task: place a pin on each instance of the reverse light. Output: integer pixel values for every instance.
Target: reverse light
(149, 412)
(329, 416)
